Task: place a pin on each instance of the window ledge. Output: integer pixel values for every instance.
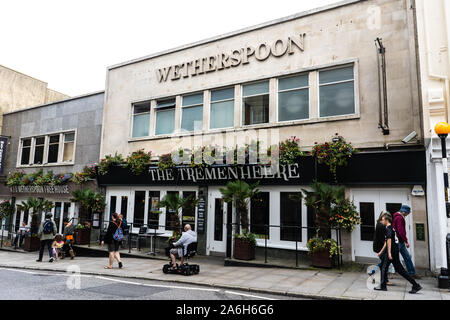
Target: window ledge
(249, 127)
(45, 165)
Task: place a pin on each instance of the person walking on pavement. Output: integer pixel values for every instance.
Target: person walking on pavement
(378, 242)
(392, 256)
(21, 234)
(113, 237)
(68, 232)
(46, 233)
(399, 225)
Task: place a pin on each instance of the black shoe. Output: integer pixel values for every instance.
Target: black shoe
(51, 260)
(39, 260)
(120, 265)
(415, 289)
(380, 288)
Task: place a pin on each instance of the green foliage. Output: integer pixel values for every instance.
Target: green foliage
(344, 215)
(6, 209)
(14, 178)
(138, 161)
(89, 199)
(247, 237)
(289, 151)
(319, 244)
(173, 203)
(165, 161)
(334, 154)
(239, 192)
(108, 161)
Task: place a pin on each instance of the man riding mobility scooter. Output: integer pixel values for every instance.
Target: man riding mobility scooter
(184, 248)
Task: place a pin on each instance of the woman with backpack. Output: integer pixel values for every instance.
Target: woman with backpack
(113, 238)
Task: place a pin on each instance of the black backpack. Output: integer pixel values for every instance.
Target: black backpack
(48, 227)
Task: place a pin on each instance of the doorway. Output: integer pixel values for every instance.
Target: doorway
(219, 224)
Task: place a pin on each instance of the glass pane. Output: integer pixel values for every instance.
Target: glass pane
(188, 214)
(259, 214)
(141, 108)
(335, 75)
(393, 207)
(255, 88)
(165, 103)
(38, 154)
(293, 105)
(40, 141)
(193, 99)
(139, 206)
(223, 94)
(165, 121)
(68, 151)
(25, 155)
(192, 118)
(141, 125)
(112, 206)
(293, 82)
(53, 153)
(26, 142)
(367, 213)
(66, 211)
(69, 137)
(124, 206)
(153, 210)
(57, 218)
(290, 217)
(54, 139)
(171, 215)
(218, 219)
(256, 110)
(222, 114)
(337, 99)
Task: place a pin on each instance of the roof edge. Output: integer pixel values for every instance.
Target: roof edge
(238, 32)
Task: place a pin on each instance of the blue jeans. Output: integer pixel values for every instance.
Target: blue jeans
(407, 258)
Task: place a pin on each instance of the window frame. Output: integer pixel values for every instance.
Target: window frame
(278, 91)
(157, 109)
(133, 105)
(355, 80)
(46, 146)
(242, 111)
(219, 101)
(182, 107)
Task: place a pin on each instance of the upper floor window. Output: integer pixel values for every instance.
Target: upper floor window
(337, 92)
(165, 116)
(293, 98)
(192, 112)
(50, 149)
(26, 151)
(255, 103)
(141, 120)
(222, 108)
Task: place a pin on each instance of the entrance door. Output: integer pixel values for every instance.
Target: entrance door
(117, 201)
(369, 204)
(217, 222)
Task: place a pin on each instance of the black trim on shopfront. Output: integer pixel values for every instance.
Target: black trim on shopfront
(397, 167)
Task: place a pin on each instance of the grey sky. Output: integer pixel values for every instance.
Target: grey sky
(69, 44)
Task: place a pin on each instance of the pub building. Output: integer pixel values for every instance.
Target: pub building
(61, 137)
(347, 68)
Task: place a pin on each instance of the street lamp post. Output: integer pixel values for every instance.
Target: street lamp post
(442, 129)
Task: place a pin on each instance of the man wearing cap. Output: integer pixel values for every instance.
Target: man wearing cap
(399, 225)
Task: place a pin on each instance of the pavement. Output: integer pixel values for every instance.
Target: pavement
(315, 284)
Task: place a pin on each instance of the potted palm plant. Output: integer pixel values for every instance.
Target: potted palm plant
(321, 199)
(239, 193)
(88, 201)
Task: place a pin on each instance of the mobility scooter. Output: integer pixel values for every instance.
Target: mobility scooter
(184, 269)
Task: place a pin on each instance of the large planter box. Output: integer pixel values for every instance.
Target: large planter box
(31, 244)
(243, 250)
(322, 259)
(82, 236)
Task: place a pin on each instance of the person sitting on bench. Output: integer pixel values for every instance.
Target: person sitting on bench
(180, 247)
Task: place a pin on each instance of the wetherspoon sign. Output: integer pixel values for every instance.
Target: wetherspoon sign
(40, 189)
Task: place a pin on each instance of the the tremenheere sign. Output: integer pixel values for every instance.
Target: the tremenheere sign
(284, 173)
(232, 59)
(39, 189)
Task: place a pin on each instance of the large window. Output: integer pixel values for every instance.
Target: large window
(188, 214)
(39, 150)
(165, 117)
(290, 216)
(171, 215)
(222, 108)
(337, 92)
(192, 113)
(53, 148)
(139, 207)
(259, 214)
(255, 103)
(367, 213)
(141, 120)
(293, 98)
(26, 151)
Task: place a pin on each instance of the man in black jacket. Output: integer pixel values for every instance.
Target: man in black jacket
(378, 240)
